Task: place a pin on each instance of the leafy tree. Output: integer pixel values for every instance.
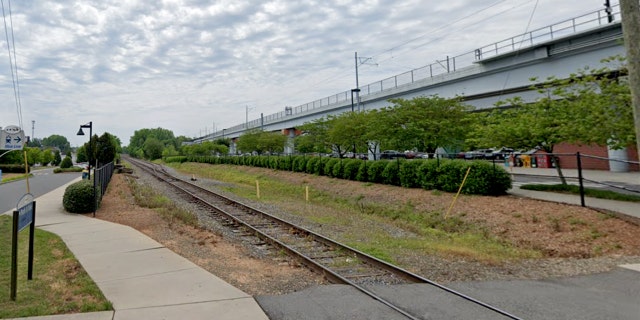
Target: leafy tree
(47, 157)
(66, 162)
(425, 123)
(33, 156)
(57, 141)
(81, 154)
(56, 158)
(261, 141)
(152, 149)
(206, 148)
(591, 106)
(105, 149)
(140, 137)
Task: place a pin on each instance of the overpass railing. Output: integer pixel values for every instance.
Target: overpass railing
(448, 65)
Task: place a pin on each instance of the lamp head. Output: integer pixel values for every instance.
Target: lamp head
(80, 132)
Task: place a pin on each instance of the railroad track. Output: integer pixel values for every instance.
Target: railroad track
(339, 263)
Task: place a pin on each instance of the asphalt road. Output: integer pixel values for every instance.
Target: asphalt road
(40, 183)
(608, 295)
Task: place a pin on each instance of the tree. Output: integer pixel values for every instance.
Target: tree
(152, 149)
(105, 149)
(81, 154)
(47, 157)
(57, 141)
(261, 141)
(57, 158)
(140, 137)
(426, 123)
(591, 106)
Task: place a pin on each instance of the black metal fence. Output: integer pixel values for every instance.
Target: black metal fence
(101, 179)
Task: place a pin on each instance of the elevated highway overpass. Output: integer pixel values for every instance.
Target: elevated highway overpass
(481, 77)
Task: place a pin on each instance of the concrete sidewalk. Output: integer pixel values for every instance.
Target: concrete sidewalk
(629, 179)
(142, 278)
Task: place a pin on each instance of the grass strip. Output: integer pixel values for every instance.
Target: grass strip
(364, 225)
(60, 285)
(589, 192)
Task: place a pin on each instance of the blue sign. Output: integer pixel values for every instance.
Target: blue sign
(25, 211)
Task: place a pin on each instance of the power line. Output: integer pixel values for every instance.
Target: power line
(13, 63)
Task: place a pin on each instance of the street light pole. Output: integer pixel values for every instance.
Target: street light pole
(356, 90)
(81, 133)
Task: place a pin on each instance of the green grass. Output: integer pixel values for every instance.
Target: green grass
(145, 196)
(589, 192)
(59, 286)
(387, 231)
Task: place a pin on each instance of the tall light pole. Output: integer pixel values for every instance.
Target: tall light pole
(246, 123)
(352, 91)
(81, 133)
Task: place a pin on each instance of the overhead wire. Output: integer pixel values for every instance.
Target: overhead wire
(444, 27)
(13, 63)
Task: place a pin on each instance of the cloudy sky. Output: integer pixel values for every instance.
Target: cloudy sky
(194, 65)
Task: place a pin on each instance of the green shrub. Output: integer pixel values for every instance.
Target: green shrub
(428, 173)
(78, 197)
(66, 163)
(350, 168)
(374, 172)
(321, 165)
(409, 173)
(487, 179)
(337, 169)
(362, 172)
(312, 163)
(450, 175)
(328, 166)
(299, 163)
(391, 173)
(13, 168)
(72, 169)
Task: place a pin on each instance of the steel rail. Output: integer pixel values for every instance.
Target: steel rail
(308, 261)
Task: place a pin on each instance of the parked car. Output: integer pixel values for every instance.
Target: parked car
(499, 154)
(477, 154)
(392, 154)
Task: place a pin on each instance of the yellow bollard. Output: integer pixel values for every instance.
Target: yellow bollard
(306, 193)
(258, 189)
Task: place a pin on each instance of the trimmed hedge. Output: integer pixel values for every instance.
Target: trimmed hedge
(78, 197)
(13, 168)
(484, 178)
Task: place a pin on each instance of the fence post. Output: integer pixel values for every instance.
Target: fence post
(579, 162)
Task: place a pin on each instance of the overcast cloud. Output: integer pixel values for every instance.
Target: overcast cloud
(188, 66)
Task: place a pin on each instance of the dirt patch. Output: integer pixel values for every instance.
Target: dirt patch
(231, 262)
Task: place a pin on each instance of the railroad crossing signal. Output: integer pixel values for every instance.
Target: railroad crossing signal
(12, 138)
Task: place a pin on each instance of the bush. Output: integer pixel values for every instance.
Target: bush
(374, 171)
(66, 163)
(409, 173)
(328, 167)
(487, 179)
(391, 173)
(13, 168)
(350, 168)
(428, 174)
(362, 172)
(78, 197)
(337, 169)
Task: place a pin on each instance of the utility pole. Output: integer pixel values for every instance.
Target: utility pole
(33, 129)
(630, 11)
(357, 84)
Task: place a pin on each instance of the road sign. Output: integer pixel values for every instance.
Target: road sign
(12, 138)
